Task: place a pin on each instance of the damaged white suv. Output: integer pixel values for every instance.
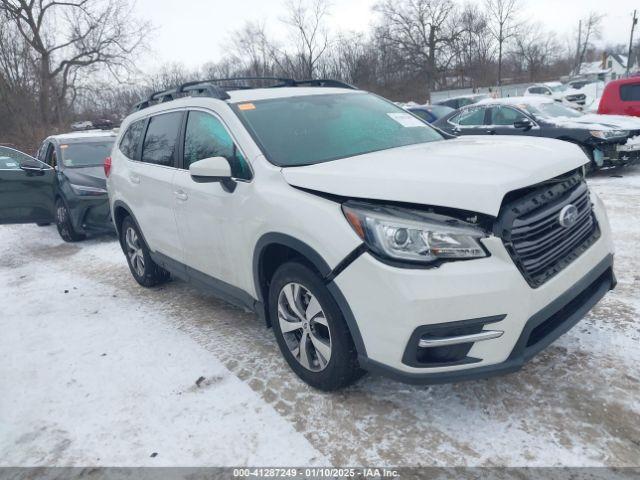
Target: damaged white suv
(366, 240)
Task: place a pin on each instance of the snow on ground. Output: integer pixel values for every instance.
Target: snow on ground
(92, 377)
(105, 375)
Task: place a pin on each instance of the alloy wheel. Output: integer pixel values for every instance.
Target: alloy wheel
(134, 251)
(304, 327)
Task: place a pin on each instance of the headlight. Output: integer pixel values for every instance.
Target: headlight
(609, 133)
(413, 236)
(83, 190)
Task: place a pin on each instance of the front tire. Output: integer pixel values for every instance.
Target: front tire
(64, 224)
(310, 329)
(146, 272)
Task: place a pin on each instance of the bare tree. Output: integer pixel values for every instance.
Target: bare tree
(473, 46)
(420, 31)
(307, 19)
(69, 38)
(502, 22)
(252, 51)
(590, 29)
(535, 48)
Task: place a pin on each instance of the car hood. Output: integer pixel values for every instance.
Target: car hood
(594, 121)
(469, 173)
(87, 176)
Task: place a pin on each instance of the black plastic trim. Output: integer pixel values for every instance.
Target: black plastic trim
(323, 268)
(120, 204)
(600, 280)
(219, 288)
(348, 260)
(410, 353)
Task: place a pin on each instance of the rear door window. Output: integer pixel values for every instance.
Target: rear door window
(161, 140)
(630, 93)
(131, 140)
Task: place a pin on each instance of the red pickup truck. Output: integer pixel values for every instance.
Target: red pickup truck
(621, 97)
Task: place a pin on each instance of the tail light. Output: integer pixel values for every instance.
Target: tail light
(107, 166)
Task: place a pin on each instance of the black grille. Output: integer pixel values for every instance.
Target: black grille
(531, 231)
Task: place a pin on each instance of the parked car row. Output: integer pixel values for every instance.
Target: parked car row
(608, 140)
(552, 110)
(364, 237)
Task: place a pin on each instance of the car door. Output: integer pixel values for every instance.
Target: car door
(209, 215)
(470, 121)
(26, 188)
(150, 184)
(503, 118)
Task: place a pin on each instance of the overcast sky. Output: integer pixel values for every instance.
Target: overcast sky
(193, 32)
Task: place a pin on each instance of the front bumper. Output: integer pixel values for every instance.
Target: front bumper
(390, 304)
(613, 154)
(91, 214)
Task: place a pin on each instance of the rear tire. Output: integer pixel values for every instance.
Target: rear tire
(146, 272)
(64, 224)
(316, 342)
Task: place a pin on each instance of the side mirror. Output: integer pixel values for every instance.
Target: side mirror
(213, 169)
(524, 124)
(31, 166)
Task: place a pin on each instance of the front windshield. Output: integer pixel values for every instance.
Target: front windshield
(558, 88)
(311, 129)
(552, 109)
(87, 154)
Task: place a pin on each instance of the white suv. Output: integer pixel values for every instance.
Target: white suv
(366, 240)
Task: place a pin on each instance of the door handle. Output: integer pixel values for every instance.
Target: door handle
(181, 195)
(490, 131)
(134, 178)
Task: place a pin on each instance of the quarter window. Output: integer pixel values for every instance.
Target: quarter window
(131, 140)
(207, 137)
(161, 140)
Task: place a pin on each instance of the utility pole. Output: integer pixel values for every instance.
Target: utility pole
(578, 59)
(633, 27)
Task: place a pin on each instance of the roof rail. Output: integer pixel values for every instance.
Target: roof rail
(208, 88)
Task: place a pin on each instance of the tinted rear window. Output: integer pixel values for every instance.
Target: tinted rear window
(161, 139)
(630, 93)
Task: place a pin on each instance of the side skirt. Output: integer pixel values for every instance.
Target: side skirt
(229, 293)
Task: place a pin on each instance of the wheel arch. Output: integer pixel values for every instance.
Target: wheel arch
(120, 211)
(272, 250)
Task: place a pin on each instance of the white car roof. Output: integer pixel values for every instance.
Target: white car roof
(256, 94)
(532, 100)
(553, 84)
(458, 97)
(84, 135)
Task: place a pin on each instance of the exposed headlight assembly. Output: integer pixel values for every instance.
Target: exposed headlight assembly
(83, 190)
(605, 134)
(413, 236)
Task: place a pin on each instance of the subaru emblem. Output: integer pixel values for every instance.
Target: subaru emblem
(568, 216)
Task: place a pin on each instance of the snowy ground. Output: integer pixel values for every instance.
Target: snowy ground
(95, 370)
